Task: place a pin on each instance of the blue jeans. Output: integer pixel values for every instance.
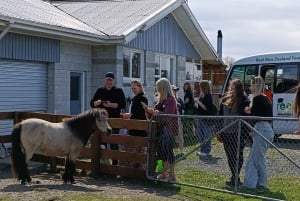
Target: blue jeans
(204, 133)
(256, 167)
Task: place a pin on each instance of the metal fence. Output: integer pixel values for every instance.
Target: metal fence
(212, 152)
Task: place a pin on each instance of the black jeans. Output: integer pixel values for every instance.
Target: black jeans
(234, 155)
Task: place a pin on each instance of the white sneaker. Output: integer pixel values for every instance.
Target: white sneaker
(202, 154)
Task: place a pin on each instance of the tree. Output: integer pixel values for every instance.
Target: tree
(229, 61)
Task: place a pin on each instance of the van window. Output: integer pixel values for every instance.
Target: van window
(244, 73)
(286, 78)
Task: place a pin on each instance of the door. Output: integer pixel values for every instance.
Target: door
(76, 92)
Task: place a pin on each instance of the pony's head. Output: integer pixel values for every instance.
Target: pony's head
(101, 121)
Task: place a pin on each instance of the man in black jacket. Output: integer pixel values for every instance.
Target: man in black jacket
(112, 99)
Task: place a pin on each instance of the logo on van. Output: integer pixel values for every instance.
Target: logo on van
(284, 108)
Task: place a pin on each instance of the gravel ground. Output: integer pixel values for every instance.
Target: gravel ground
(52, 187)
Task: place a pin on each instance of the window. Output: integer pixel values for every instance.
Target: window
(244, 73)
(164, 65)
(132, 64)
(193, 71)
(286, 77)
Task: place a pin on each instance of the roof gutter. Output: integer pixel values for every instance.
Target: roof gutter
(56, 32)
(6, 29)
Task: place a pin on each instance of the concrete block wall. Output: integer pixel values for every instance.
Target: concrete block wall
(73, 57)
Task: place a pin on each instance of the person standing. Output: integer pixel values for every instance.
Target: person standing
(189, 109)
(112, 99)
(167, 128)
(203, 104)
(136, 111)
(233, 104)
(260, 105)
(180, 106)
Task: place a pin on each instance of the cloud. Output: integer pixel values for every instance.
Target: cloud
(250, 26)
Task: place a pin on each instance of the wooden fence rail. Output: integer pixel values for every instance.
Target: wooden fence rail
(91, 155)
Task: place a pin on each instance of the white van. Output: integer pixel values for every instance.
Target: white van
(281, 72)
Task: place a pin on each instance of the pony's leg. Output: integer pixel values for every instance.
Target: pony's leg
(24, 173)
(69, 171)
(65, 176)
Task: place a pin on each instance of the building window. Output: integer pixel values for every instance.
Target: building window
(132, 64)
(164, 67)
(193, 71)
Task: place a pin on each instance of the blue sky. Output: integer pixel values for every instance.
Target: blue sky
(250, 26)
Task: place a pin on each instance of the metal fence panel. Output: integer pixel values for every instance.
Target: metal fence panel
(212, 151)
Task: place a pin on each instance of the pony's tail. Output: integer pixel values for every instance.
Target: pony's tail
(18, 158)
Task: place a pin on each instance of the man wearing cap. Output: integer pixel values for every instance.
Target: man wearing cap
(110, 98)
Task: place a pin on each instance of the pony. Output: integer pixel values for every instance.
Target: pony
(55, 139)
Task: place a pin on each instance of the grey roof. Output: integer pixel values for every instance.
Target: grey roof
(101, 21)
(114, 17)
(42, 13)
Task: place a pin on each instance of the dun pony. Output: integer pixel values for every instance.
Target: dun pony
(54, 139)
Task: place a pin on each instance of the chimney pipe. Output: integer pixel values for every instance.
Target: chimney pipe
(219, 44)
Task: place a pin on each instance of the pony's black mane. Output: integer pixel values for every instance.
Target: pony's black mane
(83, 125)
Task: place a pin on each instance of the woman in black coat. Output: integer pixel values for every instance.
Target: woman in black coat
(136, 110)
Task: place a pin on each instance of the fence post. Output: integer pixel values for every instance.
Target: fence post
(152, 148)
(95, 157)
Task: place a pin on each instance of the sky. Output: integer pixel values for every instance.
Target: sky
(249, 27)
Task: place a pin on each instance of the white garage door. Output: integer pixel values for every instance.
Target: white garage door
(23, 87)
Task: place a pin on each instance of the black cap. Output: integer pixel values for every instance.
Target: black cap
(110, 75)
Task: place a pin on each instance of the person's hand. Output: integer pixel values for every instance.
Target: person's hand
(247, 110)
(126, 115)
(107, 104)
(97, 103)
(297, 132)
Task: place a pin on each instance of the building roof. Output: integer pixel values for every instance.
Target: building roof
(102, 21)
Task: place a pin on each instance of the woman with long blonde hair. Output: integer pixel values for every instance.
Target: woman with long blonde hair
(168, 127)
(260, 105)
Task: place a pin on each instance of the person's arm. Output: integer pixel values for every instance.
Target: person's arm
(120, 101)
(95, 101)
(297, 132)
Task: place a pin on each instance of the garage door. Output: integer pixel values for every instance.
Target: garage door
(23, 87)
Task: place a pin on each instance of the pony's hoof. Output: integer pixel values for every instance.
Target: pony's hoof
(25, 183)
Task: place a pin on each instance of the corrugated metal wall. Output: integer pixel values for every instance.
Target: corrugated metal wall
(30, 48)
(23, 87)
(167, 37)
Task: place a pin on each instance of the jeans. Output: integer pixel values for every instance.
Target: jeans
(204, 133)
(256, 167)
(232, 148)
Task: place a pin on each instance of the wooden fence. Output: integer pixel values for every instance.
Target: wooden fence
(91, 155)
